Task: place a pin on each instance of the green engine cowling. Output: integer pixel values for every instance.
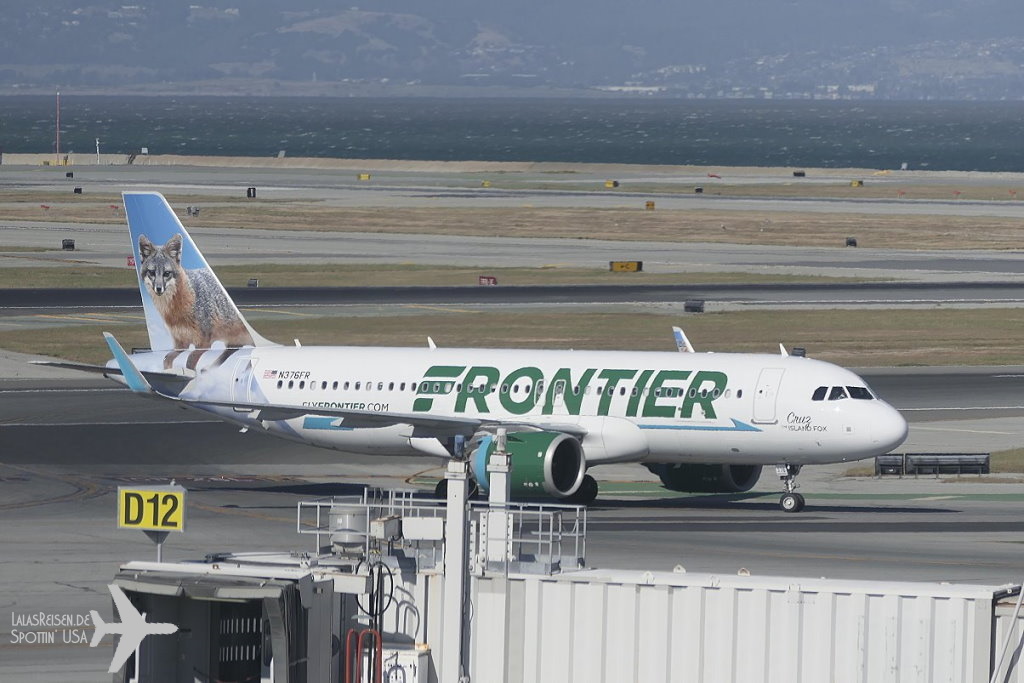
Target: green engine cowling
(706, 478)
(542, 463)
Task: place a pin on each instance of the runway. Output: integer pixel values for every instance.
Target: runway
(30, 301)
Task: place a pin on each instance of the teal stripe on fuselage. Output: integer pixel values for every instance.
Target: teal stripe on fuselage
(737, 426)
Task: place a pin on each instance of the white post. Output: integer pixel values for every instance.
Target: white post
(499, 532)
(456, 556)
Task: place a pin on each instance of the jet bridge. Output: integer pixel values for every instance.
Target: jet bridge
(385, 594)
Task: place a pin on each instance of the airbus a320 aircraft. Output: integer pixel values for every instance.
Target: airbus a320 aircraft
(703, 422)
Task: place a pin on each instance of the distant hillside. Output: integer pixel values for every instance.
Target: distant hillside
(825, 48)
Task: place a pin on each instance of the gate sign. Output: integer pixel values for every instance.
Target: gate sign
(153, 508)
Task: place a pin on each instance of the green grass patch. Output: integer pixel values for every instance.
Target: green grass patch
(363, 274)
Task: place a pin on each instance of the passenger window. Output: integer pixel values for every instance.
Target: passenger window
(837, 393)
(291, 383)
(345, 386)
(302, 384)
(819, 394)
(334, 386)
(412, 387)
(280, 383)
(323, 385)
(401, 387)
(739, 393)
(358, 384)
(391, 386)
(860, 393)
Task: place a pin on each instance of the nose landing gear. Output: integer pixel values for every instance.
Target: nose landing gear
(791, 501)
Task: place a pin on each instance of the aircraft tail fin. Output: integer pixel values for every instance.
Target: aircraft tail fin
(101, 628)
(185, 304)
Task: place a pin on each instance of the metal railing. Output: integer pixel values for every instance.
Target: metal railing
(536, 537)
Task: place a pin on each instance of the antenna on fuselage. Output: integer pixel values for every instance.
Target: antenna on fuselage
(782, 349)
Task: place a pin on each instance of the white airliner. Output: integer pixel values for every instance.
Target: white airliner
(132, 628)
(703, 422)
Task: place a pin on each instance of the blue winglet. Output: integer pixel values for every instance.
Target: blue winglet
(136, 382)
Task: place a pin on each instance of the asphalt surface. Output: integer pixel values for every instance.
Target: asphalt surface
(66, 443)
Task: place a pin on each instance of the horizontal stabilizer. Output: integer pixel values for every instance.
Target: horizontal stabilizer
(104, 370)
(132, 377)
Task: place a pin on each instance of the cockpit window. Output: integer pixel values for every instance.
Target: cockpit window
(861, 393)
(819, 394)
(837, 393)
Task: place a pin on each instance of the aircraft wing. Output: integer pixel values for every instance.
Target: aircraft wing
(364, 418)
(353, 418)
(104, 370)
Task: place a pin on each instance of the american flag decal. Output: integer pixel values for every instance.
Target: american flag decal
(269, 374)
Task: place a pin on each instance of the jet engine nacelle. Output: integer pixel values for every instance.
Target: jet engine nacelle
(706, 478)
(542, 463)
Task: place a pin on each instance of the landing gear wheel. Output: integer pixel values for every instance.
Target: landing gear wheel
(791, 502)
(586, 493)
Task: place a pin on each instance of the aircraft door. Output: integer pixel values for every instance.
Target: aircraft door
(241, 380)
(558, 396)
(766, 394)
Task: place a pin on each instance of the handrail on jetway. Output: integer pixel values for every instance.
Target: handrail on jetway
(548, 536)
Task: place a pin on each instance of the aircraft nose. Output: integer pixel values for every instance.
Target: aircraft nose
(890, 429)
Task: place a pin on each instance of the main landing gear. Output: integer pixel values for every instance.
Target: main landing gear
(791, 501)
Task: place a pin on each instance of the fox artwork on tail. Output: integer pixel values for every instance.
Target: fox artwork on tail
(191, 302)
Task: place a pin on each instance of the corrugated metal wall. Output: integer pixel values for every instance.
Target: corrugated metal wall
(631, 626)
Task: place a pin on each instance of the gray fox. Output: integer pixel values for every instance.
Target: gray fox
(192, 303)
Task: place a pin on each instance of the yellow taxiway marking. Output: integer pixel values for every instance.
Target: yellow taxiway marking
(439, 308)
